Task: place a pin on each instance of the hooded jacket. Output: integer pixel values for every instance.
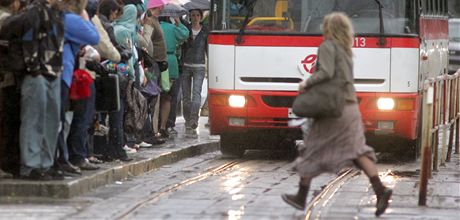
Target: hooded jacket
(125, 32)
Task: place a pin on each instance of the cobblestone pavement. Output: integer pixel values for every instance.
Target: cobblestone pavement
(212, 187)
(249, 188)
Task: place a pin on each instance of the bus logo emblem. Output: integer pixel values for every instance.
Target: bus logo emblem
(307, 65)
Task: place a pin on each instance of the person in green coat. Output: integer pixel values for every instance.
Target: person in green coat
(175, 33)
(126, 33)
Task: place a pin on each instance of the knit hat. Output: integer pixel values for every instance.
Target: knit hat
(156, 3)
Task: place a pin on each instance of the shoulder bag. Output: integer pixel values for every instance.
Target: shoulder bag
(323, 100)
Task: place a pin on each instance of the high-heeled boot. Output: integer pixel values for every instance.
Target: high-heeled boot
(383, 195)
(298, 200)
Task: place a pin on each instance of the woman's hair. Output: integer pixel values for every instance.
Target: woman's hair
(6, 3)
(75, 6)
(338, 28)
(197, 10)
(106, 7)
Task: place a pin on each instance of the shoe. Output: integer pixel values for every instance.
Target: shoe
(156, 140)
(172, 131)
(94, 160)
(382, 201)
(125, 158)
(129, 150)
(204, 112)
(55, 174)
(86, 165)
(5, 175)
(297, 201)
(38, 175)
(191, 133)
(291, 200)
(164, 134)
(69, 169)
(144, 145)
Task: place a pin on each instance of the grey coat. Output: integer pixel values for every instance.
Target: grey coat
(333, 61)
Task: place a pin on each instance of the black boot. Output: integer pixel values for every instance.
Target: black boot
(297, 201)
(383, 195)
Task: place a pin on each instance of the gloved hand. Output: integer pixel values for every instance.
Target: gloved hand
(163, 65)
(125, 55)
(96, 67)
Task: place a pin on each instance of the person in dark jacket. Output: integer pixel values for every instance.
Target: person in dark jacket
(9, 95)
(40, 90)
(193, 71)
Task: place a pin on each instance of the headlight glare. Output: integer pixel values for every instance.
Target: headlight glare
(385, 104)
(237, 101)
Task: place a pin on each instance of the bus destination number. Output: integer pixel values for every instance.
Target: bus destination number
(359, 42)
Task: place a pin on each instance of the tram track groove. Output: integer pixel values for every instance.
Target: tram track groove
(320, 200)
(329, 191)
(170, 189)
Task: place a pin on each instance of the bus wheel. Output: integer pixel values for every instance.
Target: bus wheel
(231, 145)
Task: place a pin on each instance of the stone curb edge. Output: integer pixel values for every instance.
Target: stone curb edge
(67, 189)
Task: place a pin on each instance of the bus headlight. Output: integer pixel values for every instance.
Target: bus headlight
(237, 101)
(385, 104)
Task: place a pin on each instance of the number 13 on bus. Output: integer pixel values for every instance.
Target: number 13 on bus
(259, 50)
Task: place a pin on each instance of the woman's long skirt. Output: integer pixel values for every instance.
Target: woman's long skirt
(333, 143)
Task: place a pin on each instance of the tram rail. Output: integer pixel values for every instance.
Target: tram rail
(172, 188)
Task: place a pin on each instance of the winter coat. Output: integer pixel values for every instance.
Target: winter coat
(125, 32)
(77, 33)
(158, 41)
(105, 46)
(174, 36)
(6, 77)
(196, 49)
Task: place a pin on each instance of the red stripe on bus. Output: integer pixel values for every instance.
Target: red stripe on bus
(309, 41)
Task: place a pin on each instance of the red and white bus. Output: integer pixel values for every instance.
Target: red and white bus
(259, 50)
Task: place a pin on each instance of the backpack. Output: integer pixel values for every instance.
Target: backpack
(34, 39)
(10, 46)
(136, 109)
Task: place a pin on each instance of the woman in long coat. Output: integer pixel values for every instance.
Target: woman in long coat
(335, 143)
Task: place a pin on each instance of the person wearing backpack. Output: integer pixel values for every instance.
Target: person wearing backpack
(9, 147)
(36, 38)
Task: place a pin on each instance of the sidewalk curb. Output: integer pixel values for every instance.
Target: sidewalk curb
(74, 187)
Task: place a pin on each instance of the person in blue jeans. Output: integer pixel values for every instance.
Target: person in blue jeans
(79, 31)
(193, 71)
(40, 89)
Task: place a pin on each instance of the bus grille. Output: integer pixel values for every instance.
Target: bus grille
(279, 101)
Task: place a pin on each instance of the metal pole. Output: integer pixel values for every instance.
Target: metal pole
(426, 152)
(444, 124)
(435, 134)
(450, 119)
(457, 114)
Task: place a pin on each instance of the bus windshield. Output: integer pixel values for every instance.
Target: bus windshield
(305, 16)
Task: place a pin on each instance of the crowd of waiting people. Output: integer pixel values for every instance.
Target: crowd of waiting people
(83, 82)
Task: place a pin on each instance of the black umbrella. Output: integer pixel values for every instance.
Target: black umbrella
(134, 2)
(197, 4)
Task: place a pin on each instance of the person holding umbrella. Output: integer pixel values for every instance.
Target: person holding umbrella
(175, 33)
